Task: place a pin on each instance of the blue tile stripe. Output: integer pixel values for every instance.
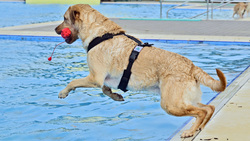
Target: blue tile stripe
(60, 39)
(32, 38)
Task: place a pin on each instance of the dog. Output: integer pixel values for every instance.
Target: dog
(248, 9)
(240, 9)
(173, 76)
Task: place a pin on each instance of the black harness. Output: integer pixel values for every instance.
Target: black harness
(133, 56)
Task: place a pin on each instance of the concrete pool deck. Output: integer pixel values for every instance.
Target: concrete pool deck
(202, 30)
(231, 120)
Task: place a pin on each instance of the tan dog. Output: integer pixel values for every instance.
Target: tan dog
(248, 9)
(240, 9)
(175, 77)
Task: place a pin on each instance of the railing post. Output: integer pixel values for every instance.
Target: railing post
(207, 8)
(212, 10)
(160, 8)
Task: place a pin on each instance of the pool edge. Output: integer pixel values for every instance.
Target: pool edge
(54, 38)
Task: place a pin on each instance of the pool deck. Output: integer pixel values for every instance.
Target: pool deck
(202, 30)
(231, 120)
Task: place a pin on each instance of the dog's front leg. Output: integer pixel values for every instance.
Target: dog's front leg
(84, 82)
(107, 91)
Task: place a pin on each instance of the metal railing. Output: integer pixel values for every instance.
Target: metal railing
(212, 9)
(223, 3)
(184, 2)
(176, 7)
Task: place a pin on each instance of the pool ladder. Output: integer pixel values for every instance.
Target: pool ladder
(176, 7)
(186, 1)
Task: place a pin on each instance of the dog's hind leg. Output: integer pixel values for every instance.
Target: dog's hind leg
(190, 110)
(88, 82)
(107, 91)
(176, 99)
(210, 110)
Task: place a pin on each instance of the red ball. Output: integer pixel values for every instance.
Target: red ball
(50, 58)
(66, 33)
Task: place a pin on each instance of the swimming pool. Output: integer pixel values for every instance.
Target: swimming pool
(54, 12)
(29, 85)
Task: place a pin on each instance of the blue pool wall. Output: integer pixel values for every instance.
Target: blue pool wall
(60, 39)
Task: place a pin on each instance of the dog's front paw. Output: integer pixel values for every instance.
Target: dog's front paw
(187, 134)
(117, 97)
(63, 94)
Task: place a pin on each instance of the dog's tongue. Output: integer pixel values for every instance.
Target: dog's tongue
(66, 33)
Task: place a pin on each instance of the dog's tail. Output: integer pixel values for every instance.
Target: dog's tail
(208, 81)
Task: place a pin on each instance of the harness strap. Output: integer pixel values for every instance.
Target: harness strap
(133, 38)
(98, 40)
(127, 72)
(133, 56)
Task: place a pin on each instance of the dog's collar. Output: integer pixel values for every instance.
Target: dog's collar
(98, 40)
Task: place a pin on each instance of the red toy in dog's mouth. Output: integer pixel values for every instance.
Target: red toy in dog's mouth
(66, 33)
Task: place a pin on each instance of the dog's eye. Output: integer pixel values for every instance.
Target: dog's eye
(65, 19)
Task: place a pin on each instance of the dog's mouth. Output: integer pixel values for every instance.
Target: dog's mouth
(68, 40)
(71, 39)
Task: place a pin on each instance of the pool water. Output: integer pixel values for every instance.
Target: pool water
(19, 13)
(31, 110)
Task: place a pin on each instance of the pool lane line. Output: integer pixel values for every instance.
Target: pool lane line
(231, 89)
(149, 19)
(170, 41)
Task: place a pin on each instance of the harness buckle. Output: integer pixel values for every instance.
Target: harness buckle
(146, 44)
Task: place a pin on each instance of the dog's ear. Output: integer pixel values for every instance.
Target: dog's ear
(74, 15)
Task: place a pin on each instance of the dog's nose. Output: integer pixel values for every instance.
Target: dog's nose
(58, 31)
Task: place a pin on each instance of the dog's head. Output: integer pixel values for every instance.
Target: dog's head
(71, 18)
(86, 23)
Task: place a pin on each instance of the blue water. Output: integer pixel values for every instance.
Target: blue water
(19, 13)
(29, 85)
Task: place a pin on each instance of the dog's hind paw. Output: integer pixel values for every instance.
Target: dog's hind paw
(187, 134)
(63, 94)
